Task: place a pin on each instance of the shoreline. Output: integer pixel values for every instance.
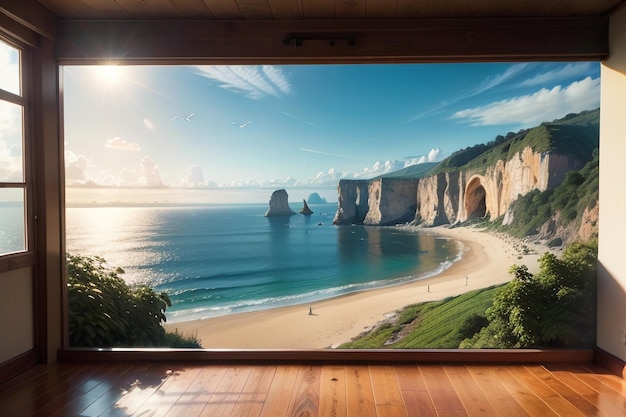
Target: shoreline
(486, 261)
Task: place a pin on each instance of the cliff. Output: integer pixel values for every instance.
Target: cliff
(479, 182)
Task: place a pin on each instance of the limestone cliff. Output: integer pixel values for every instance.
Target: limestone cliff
(391, 201)
(451, 197)
(478, 182)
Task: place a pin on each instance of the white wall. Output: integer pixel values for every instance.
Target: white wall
(612, 252)
(16, 313)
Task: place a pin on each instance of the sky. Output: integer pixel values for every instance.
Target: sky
(293, 126)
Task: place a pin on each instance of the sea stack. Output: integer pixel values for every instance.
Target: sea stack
(279, 205)
(306, 210)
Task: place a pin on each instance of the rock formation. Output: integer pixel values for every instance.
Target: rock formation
(305, 209)
(451, 197)
(279, 205)
(315, 198)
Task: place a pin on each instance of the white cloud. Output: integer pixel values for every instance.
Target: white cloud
(148, 124)
(75, 167)
(193, 178)
(121, 144)
(254, 82)
(498, 80)
(332, 176)
(149, 176)
(532, 109)
(573, 70)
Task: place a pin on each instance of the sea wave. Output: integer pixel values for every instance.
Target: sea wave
(249, 305)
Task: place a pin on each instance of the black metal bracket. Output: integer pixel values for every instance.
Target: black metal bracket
(297, 39)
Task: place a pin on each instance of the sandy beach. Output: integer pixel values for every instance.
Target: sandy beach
(486, 261)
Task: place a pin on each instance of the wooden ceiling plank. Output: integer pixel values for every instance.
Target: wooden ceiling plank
(411, 9)
(381, 9)
(350, 9)
(255, 9)
(194, 9)
(110, 9)
(286, 9)
(31, 15)
(422, 40)
(318, 9)
(224, 9)
(73, 9)
(138, 9)
(441, 8)
(474, 8)
(586, 8)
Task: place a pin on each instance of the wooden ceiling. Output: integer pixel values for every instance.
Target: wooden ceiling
(323, 9)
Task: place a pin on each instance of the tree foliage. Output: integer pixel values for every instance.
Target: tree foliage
(554, 308)
(105, 312)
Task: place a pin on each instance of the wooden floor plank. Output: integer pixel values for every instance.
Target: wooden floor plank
(146, 383)
(333, 388)
(474, 400)
(528, 400)
(250, 402)
(599, 394)
(279, 394)
(192, 401)
(223, 400)
(552, 398)
(440, 388)
(147, 389)
(387, 396)
(565, 391)
(418, 404)
(409, 378)
(359, 394)
(169, 392)
(306, 392)
(498, 396)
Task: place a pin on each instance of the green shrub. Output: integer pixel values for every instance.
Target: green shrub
(105, 312)
(554, 308)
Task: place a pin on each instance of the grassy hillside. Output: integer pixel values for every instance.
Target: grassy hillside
(432, 325)
(413, 171)
(575, 134)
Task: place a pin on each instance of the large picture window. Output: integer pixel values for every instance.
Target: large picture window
(303, 206)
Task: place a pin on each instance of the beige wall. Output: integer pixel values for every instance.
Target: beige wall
(612, 253)
(16, 313)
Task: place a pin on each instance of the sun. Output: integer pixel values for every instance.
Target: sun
(109, 74)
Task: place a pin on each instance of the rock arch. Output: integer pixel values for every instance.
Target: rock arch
(476, 199)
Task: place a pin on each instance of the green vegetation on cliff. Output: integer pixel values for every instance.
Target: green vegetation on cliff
(575, 134)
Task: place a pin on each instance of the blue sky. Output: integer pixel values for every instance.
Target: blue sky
(293, 125)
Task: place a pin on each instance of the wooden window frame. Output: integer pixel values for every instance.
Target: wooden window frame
(23, 258)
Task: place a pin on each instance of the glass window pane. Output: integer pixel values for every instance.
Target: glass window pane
(10, 68)
(12, 220)
(11, 142)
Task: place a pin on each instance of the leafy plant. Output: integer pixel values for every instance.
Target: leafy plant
(555, 307)
(105, 312)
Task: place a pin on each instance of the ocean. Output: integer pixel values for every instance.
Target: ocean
(215, 260)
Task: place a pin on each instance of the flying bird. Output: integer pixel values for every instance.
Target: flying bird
(242, 125)
(186, 119)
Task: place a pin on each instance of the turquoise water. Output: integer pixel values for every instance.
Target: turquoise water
(223, 259)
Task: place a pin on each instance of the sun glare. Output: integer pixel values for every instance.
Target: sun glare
(109, 74)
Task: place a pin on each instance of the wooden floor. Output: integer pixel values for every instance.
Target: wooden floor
(305, 390)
